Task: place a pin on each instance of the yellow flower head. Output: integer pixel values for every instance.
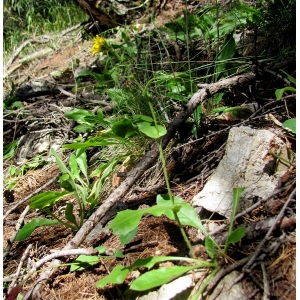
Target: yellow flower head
(99, 44)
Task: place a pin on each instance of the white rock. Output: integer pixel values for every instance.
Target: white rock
(246, 163)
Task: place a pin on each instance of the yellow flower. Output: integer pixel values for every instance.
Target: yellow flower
(98, 45)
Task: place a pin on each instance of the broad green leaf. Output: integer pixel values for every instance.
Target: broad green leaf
(84, 261)
(101, 249)
(279, 92)
(127, 237)
(64, 181)
(127, 221)
(237, 193)
(46, 199)
(124, 128)
(217, 98)
(118, 254)
(209, 247)
(150, 261)
(28, 228)
(290, 124)
(78, 115)
(159, 277)
(119, 273)
(151, 130)
(96, 120)
(236, 235)
(82, 128)
(117, 276)
(69, 214)
(187, 214)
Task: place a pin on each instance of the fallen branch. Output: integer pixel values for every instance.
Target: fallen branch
(57, 254)
(199, 97)
(19, 269)
(42, 40)
(17, 228)
(32, 194)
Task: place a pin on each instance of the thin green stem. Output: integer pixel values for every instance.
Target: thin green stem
(163, 161)
(282, 159)
(205, 284)
(47, 210)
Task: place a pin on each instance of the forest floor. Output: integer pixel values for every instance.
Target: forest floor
(156, 235)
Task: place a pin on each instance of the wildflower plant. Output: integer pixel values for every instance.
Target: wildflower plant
(101, 45)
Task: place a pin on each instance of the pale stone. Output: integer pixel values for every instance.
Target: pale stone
(247, 163)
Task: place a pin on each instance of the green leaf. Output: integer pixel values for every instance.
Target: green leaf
(236, 235)
(126, 222)
(84, 261)
(82, 163)
(128, 236)
(227, 52)
(209, 247)
(159, 277)
(46, 199)
(82, 128)
(119, 254)
(103, 139)
(290, 124)
(279, 92)
(101, 249)
(79, 115)
(28, 228)
(187, 214)
(124, 128)
(10, 149)
(237, 193)
(141, 118)
(60, 163)
(69, 214)
(117, 276)
(291, 79)
(73, 166)
(236, 113)
(151, 130)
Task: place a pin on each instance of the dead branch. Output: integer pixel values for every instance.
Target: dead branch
(266, 294)
(150, 157)
(17, 228)
(62, 253)
(24, 256)
(42, 40)
(250, 263)
(32, 194)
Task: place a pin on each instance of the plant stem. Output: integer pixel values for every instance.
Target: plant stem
(205, 284)
(163, 161)
(47, 210)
